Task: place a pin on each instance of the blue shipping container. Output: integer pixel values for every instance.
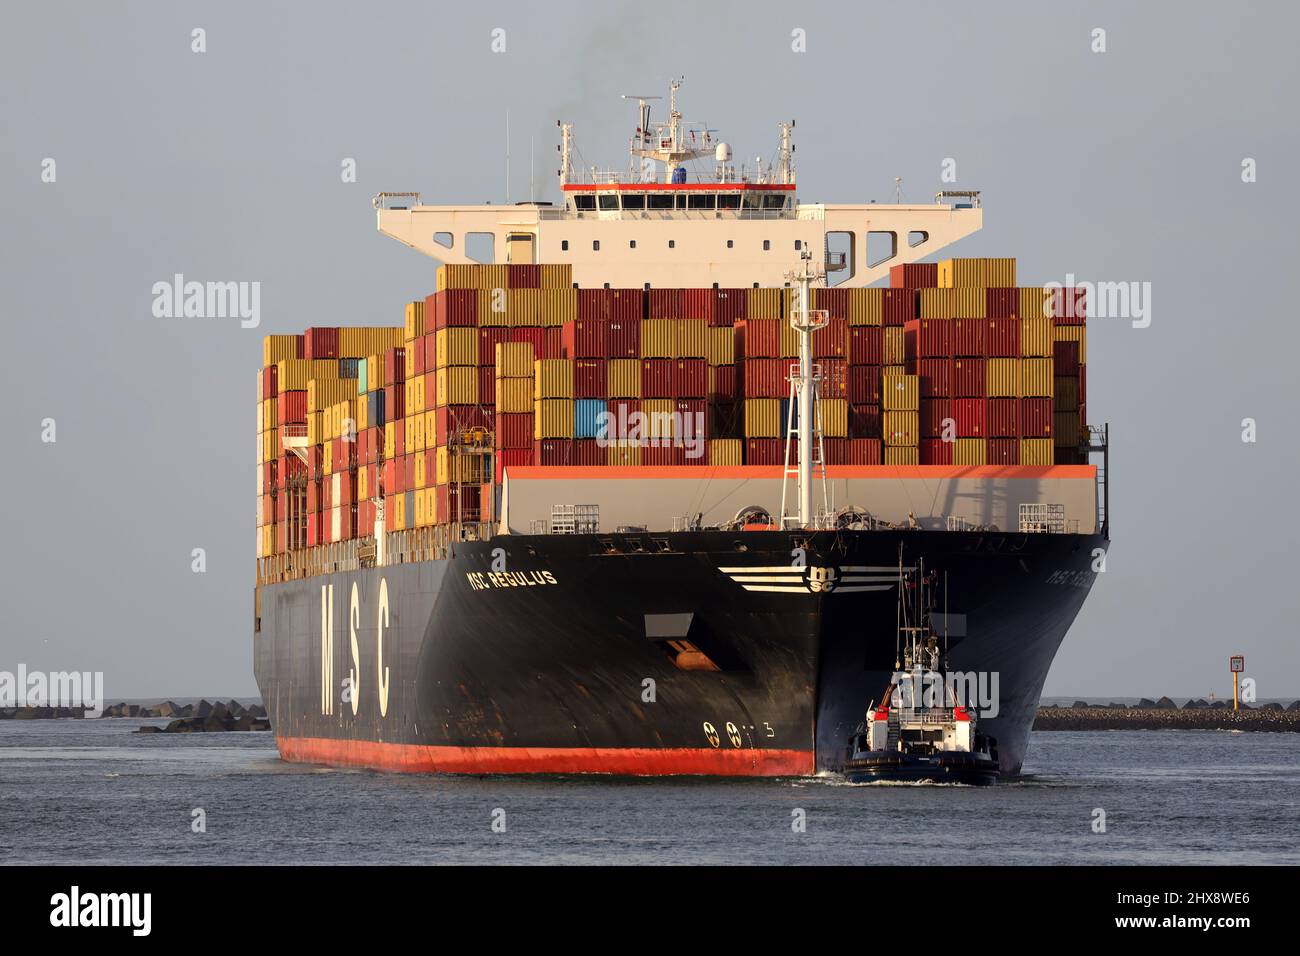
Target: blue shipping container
(587, 414)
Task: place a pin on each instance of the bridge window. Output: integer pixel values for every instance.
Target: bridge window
(729, 200)
(584, 202)
(681, 200)
(702, 201)
(774, 201)
(595, 245)
(753, 201)
(660, 200)
(634, 201)
(608, 202)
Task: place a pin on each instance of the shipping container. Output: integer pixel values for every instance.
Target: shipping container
(969, 417)
(657, 378)
(914, 275)
(1003, 451)
(763, 304)
(898, 306)
(764, 451)
(585, 338)
(589, 418)
(659, 338)
(726, 451)
(936, 418)
(1003, 418)
(763, 418)
(1002, 378)
(1065, 393)
(1036, 378)
(935, 451)
(553, 378)
(558, 306)
(927, 338)
(691, 339)
(553, 418)
(624, 454)
(454, 307)
(1036, 338)
(515, 429)
(723, 383)
(759, 338)
(731, 306)
(623, 338)
(514, 360)
(895, 347)
(1035, 418)
(900, 392)
(1068, 429)
(867, 345)
(1036, 451)
(457, 385)
(590, 378)
(866, 307)
(1067, 335)
(664, 304)
(901, 428)
(765, 378)
(721, 346)
(690, 378)
(935, 304)
(514, 395)
(970, 451)
(862, 451)
(1002, 303)
(901, 455)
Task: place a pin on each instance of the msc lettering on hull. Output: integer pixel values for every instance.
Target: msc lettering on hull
(354, 681)
(485, 581)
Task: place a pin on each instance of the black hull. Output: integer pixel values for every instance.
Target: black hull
(547, 667)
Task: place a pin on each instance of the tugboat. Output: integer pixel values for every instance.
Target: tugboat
(920, 732)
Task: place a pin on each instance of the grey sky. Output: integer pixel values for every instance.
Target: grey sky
(225, 166)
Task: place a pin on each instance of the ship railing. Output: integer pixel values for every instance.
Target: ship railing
(395, 200)
(1040, 517)
(671, 214)
(922, 715)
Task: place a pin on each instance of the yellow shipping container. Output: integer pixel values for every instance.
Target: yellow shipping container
(278, 348)
(431, 427)
(514, 360)
(658, 414)
(895, 350)
(977, 273)
(1002, 378)
(626, 455)
(835, 417)
(692, 338)
(1035, 302)
(375, 380)
(763, 304)
(936, 304)
(417, 434)
(515, 394)
(970, 451)
(901, 428)
(363, 415)
(324, 392)
(900, 393)
(790, 340)
(1036, 338)
(866, 306)
(1066, 429)
(721, 346)
(269, 418)
(493, 307)
(390, 439)
(456, 346)
(763, 418)
(354, 342)
(624, 378)
(292, 375)
(553, 378)
(553, 418)
(441, 465)
(363, 483)
(398, 509)
(421, 520)
(726, 451)
(659, 338)
(457, 385)
(1037, 451)
(471, 276)
(969, 303)
(420, 394)
(999, 273)
(270, 444)
(414, 319)
(557, 276)
(558, 305)
(1073, 333)
(1036, 378)
(315, 430)
(902, 455)
(525, 307)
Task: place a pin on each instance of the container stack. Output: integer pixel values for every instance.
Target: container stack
(512, 366)
(988, 356)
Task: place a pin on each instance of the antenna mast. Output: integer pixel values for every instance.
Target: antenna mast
(804, 382)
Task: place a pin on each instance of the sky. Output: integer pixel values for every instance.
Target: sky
(224, 165)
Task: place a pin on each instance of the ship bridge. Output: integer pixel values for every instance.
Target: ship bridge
(656, 226)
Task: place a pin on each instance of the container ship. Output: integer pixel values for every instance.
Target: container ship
(634, 495)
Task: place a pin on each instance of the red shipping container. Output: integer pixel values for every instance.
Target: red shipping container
(363, 446)
(834, 301)
(487, 385)
(292, 408)
(765, 451)
(270, 376)
(864, 422)
(457, 502)
(553, 451)
(626, 305)
(623, 338)
(584, 338)
(415, 356)
(832, 341)
(690, 379)
(1003, 451)
(732, 307)
(898, 306)
(395, 402)
(399, 437)
(968, 337)
(1036, 418)
(693, 418)
(1083, 384)
(969, 416)
(835, 377)
(836, 449)
(450, 419)
(593, 305)
(935, 451)
(862, 451)
(655, 455)
(1070, 306)
(969, 377)
(664, 304)
(590, 378)
(759, 338)
(588, 451)
(365, 519)
(1002, 338)
(864, 384)
(523, 275)
(935, 377)
(656, 378)
(1001, 303)
(914, 275)
(408, 475)
(552, 343)
(489, 337)
(927, 338)
(699, 304)
(534, 336)
(452, 307)
(724, 383)
(345, 494)
(934, 414)
(394, 367)
(394, 477)
(512, 458)
(271, 476)
(315, 496)
(1065, 358)
(867, 345)
(321, 343)
(1003, 418)
(765, 378)
(313, 530)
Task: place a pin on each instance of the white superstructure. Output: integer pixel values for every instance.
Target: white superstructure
(657, 224)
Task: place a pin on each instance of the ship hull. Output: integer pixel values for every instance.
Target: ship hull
(687, 653)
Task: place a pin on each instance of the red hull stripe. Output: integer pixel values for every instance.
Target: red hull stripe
(631, 761)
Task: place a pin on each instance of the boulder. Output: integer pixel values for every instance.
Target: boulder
(1294, 705)
(1080, 703)
(235, 707)
(149, 729)
(1272, 705)
(1218, 705)
(1164, 703)
(257, 710)
(167, 708)
(261, 724)
(202, 709)
(1196, 704)
(185, 711)
(219, 710)
(1146, 703)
